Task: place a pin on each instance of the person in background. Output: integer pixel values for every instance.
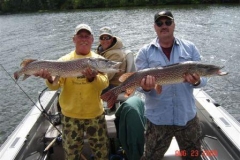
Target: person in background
(110, 47)
(170, 109)
(81, 106)
(130, 127)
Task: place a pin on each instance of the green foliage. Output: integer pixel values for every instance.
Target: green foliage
(111, 3)
(11, 6)
(16, 6)
(140, 2)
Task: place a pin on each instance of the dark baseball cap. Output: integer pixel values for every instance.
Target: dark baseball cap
(167, 14)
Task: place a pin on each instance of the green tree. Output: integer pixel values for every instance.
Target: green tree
(11, 6)
(140, 2)
(16, 6)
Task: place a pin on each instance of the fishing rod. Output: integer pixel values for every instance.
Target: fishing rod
(42, 111)
(40, 95)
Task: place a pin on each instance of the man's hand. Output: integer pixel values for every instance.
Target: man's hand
(194, 79)
(90, 74)
(43, 73)
(149, 82)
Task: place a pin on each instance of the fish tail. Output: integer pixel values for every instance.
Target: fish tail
(110, 97)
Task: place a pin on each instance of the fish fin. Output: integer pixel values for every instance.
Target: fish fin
(26, 62)
(158, 88)
(129, 91)
(55, 80)
(16, 75)
(125, 76)
(25, 76)
(110, 97)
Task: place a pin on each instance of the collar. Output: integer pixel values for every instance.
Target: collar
(155, 42)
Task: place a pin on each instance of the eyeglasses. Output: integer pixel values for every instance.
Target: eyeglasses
(167, 23)
(105, 38)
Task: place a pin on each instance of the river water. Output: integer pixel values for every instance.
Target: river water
(214, 30)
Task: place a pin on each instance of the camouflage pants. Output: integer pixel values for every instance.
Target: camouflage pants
(158, 139)
(73, 136)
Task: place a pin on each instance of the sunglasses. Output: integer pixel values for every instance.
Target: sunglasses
(105, 38)
(167, 23)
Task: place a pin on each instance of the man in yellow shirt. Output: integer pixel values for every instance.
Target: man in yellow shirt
(80, 102)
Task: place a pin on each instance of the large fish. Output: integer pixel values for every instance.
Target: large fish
(72, 68)
(171, 74)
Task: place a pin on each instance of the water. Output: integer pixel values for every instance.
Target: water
(214, 30)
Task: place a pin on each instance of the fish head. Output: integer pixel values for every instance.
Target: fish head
(104, 65)
(208, 70)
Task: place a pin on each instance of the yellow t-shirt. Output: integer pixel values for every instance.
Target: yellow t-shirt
(80, 98)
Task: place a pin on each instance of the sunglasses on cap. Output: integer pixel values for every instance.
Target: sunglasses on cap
(105, 38)
(167, 23)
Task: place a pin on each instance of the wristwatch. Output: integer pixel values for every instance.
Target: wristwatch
(197, 83)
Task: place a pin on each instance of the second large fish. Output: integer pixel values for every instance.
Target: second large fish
(167, 75)
(71, 68)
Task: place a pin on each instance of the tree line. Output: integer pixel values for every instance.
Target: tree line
(18, 6)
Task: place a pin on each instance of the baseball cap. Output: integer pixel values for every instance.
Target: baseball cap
(105, 30)
(83, 26)
(167, 14)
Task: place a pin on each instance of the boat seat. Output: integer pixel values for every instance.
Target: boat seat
(111, 126)
(130, 68)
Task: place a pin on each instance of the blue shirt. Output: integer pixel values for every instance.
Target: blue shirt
(176, 104)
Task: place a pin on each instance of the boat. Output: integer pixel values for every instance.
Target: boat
(38, 137)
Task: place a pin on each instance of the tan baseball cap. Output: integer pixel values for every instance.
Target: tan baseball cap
(105, 30)
(83, 26)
